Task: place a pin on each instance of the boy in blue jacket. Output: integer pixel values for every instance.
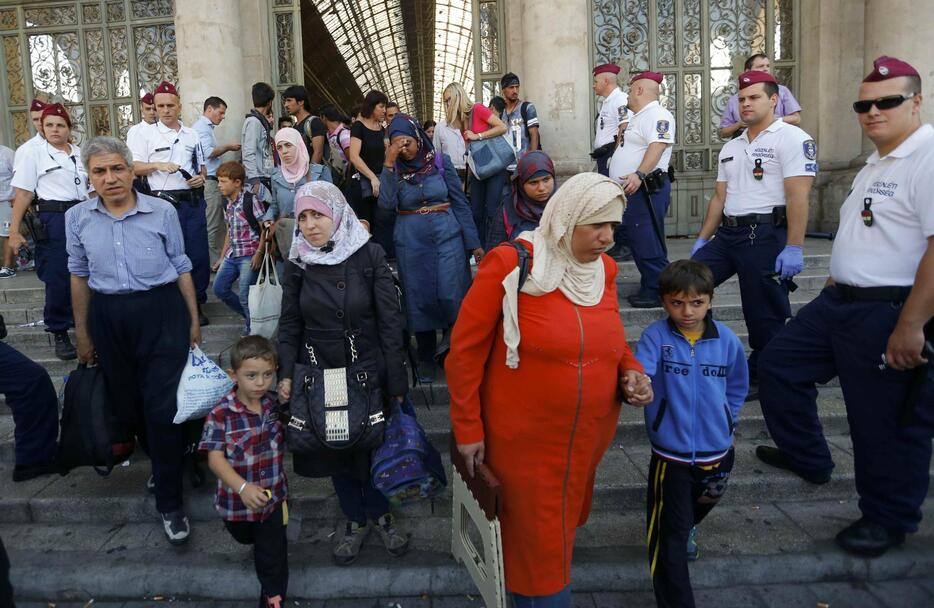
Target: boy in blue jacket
(700, 378)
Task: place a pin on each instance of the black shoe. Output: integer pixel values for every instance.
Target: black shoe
(753, 394)
(24, 472)
(774, 457)
(202, 318)
(638, 301)
(175, 526)
(64, 349)
(868, 538)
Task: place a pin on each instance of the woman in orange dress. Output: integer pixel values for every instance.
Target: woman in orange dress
(536, 379)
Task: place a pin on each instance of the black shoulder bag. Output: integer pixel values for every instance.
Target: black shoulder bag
(338, 408)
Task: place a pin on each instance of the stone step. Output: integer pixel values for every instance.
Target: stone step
(435, 419)
(769, 543)
(84, 497)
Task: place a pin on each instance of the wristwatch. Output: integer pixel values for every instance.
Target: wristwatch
(640, 175)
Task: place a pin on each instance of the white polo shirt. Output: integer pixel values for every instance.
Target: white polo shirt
(652, 124)
(133, 133)
(899, 188)
(612, 113)
(782, 150)
(159, 144)
(54, 175)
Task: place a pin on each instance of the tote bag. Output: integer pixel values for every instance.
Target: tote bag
(265, 299)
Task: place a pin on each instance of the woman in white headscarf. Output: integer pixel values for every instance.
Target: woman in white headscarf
(536, 377)
(336, 281)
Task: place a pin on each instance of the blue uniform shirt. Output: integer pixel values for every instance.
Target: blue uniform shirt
(141, 250)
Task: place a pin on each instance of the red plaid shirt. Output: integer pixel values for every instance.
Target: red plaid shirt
(254, 447)
(243, 239)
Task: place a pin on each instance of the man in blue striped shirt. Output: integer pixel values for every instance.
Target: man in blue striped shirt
(135, 311)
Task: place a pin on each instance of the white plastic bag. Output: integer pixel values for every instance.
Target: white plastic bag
(202, 385)
(265, 300)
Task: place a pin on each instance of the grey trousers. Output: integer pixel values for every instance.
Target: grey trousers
(214, 214)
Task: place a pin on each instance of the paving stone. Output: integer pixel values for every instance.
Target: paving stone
(846, 595)
(899, 594)
(785, 596)
(738, 597)
(629, 599)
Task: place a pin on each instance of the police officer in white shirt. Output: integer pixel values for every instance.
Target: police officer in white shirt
(613, 115)
(641, 165)
(169, 154)
(759, 212)
(868, 325)
(147, 114)
(49, 177)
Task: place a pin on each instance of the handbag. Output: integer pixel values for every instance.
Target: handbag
(265, 299)
(338, 408)
(91, 434)
(407, 467)
(487, 157)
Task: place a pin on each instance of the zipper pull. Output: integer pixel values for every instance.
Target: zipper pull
(692, 352)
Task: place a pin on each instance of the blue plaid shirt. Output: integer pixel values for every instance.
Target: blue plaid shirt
(254, 446)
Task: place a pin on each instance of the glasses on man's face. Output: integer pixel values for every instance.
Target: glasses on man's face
(883, 103)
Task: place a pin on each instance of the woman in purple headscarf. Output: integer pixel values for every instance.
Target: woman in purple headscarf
(532, 187)
(434, 233)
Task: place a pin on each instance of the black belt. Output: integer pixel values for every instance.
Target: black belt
(179, 195)
(777, 217)
(851, 293)
(44, 206)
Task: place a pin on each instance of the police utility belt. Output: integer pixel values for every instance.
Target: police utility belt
(851, 293)
(49, 206)
(176, 197)
(776, 218)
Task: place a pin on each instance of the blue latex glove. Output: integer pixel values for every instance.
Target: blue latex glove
(700, 242)
(790, 261)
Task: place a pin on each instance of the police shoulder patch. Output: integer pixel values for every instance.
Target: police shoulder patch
(662, 127)
(810, 149)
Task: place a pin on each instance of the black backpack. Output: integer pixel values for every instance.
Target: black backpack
(91, 435)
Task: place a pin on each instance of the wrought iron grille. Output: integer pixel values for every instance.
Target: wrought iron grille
(94, 56)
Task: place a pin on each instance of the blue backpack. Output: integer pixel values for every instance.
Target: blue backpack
(406, 467)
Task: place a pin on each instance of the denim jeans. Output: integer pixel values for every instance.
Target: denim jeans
(561, 599)
(231, 269)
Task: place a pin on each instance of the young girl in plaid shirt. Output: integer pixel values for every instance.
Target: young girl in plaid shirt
(244, 439)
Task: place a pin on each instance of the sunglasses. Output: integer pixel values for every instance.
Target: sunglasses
(883, 103)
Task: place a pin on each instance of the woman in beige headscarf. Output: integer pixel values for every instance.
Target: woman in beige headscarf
(536, 377)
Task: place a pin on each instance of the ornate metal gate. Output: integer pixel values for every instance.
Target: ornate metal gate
(699, 46)
(94, 56)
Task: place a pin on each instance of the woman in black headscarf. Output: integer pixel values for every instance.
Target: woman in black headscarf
(525, 198)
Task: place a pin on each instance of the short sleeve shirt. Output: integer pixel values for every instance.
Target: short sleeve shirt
(652, 124)
(372, 149)
(787, 104)
(53, 174)
(781, 150)
(517, 127)
(254, 445)
(612, 113)
(897, 188)
(158, 143)
(318, 129)
(479, 118)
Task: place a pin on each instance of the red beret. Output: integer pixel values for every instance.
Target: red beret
(166, 87)
(751, 77)
(606, 68)
(36, 106)
(889, 67)
(148, 98)
(57, 109)
(647, 75)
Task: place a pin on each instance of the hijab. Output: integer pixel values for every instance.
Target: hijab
(349, 234)
(298, 168)
(532, 165)
(586, 198)
(422, 163)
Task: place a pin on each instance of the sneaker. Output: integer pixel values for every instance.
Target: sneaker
(7, 272)
(64, 349)
(176, 527)
(347, 550)
(396, 543)
(693, 551)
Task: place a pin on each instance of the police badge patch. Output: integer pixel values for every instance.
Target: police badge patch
(661, 127)
(810, 149)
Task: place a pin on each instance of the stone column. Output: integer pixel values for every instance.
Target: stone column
(556, 75)
(208, 40)
(902, 28)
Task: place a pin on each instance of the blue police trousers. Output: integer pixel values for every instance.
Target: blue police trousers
(193, 219)
(749, 252)
(648, 250)
(52, 269)
(833, 337)
(31, 397)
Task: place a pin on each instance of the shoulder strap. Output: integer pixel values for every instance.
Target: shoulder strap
(523, 263)
(248, 212)
(523, 109)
